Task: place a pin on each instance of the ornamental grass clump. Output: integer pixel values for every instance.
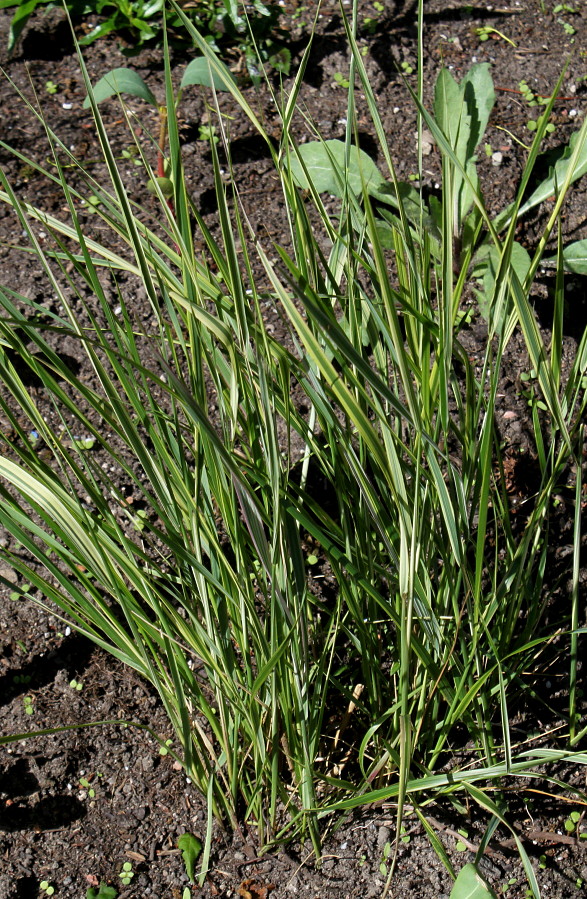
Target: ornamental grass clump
(290, 703)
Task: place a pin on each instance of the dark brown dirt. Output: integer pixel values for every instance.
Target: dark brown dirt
(51, 826)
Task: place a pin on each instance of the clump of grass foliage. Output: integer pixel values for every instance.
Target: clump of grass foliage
(437, 613)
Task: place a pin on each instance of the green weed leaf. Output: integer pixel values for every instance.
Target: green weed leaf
(449, 111)
(549, 186)
(574, 257)
(106, 27)
(191, 849)
(104, 892)
(479, 95)
(462, 112)
(165, 186)
(281, 60)
(19, 19)
(121, 81)
(325, 164)
(470, 885)
(487, 268)
(200, 71)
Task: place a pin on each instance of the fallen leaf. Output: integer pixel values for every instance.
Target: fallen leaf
(250, 889)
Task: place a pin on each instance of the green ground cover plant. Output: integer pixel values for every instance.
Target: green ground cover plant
(248, 34)
(289, 705)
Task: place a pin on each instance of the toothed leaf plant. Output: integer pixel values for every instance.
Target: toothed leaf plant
(366, 432)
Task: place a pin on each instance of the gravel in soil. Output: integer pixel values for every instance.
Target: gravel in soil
(78, 804)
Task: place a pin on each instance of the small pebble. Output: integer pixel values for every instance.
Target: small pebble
(496, 158)
(427, 142)
(382, 836)
(9, 574)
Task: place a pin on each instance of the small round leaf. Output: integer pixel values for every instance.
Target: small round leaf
(165, 186)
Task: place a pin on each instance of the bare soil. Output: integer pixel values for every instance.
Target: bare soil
(52, 825)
